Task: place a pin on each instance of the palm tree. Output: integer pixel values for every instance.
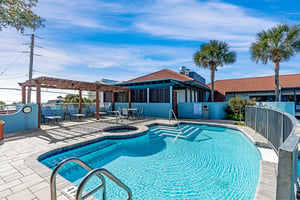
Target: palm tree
(277, 44)
(212, 55)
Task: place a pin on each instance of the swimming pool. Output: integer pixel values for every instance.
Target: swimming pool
(210, 163)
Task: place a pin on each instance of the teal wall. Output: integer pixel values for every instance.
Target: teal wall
(150, 109)
(288, 107)
(216, 110)
(20, 121)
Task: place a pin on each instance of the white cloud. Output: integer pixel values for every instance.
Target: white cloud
(201, 21)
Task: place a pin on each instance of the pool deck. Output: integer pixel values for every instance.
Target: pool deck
(23, 177)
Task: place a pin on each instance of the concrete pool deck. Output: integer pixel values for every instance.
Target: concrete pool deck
(23, 177)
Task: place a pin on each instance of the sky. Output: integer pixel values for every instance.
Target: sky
(121, 39)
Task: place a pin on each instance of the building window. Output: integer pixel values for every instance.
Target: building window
(107, 96)
(139, 96)
(121, 97)
(200, 96)
(160, 95)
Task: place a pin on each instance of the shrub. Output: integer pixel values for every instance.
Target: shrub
(236, 108)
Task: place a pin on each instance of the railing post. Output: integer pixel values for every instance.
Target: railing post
(267, 124)
(282, 138)
(255, 117)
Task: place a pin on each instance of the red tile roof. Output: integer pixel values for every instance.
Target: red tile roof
(256, 84)
(164, 74)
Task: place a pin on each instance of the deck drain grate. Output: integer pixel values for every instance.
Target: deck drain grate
(71, 191)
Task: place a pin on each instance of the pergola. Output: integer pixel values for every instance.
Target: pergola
(56, 83)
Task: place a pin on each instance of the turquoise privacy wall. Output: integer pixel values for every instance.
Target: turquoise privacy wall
(189, 110)
(150, 109)
(288, 107)
(21, 121)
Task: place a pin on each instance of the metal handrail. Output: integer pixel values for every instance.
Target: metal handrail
(69, 160)
(170, 114)
(108, 175)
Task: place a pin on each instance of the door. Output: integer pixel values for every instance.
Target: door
(174, 102)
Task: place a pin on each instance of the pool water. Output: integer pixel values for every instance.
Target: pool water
(212, 163)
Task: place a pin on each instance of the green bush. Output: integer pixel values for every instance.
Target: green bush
(236, 108)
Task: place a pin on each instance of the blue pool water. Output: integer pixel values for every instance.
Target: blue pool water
(211, 163)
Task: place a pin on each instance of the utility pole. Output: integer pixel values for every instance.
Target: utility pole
(30, 67)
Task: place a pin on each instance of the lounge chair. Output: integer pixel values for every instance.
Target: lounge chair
(47, 114)
(73, 114)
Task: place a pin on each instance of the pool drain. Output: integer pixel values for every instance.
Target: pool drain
(71, 191)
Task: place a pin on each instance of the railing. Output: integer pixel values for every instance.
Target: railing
(282, 132)
(274, 125)
(171, 111)
(98, 172)
(9, 108)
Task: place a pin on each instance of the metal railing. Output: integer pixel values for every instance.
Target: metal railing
(99, 172)
(274, 125)
(171, 111)
(282, 131)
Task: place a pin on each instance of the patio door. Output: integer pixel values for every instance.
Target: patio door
(174, 103)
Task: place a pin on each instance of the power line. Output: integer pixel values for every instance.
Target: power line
(13, 62)
(18, 89)
(8, 78)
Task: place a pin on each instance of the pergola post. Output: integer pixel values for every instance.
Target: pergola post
(38, 101)
(113, 101)
(97, 104)
(23, 94)
(80, 101)
(129, 98)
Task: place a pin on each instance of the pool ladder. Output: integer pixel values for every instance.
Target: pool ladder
(99, 172)
(171, 111)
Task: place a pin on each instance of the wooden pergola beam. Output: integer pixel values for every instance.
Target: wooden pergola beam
(56, 83)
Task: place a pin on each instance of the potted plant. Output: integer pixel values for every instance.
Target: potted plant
(1, 130)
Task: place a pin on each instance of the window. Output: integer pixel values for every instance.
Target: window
(121, 97)
(139, 96)
(107, 96)
(160, 95)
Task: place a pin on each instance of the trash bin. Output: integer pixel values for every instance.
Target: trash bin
(205, 111)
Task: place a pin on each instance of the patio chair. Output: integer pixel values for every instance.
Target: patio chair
(92, 110)
(73, 114)
(125, 113)
(47, 114)
(141, 114)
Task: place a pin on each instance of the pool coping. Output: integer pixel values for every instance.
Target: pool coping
(264, 190)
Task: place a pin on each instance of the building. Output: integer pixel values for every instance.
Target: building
(161, 91)
(260, 89)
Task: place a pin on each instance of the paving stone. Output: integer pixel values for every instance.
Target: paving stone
(5, 193)
(26, 171)
(39, 186)
(9, 185)
(19, 187)
(22, 195)
(12, 177)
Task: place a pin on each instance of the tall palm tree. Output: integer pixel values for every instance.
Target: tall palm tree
(212, 55)
(277, 44)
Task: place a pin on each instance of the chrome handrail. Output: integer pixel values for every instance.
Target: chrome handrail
(69, 160)
(170, 114)
(108, 175)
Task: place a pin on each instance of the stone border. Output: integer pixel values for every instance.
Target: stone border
(44, 172)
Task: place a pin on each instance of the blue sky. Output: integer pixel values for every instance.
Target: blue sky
(121, 40)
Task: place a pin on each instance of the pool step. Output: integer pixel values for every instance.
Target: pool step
(84, 151)
(159, 131)
(90, 157)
